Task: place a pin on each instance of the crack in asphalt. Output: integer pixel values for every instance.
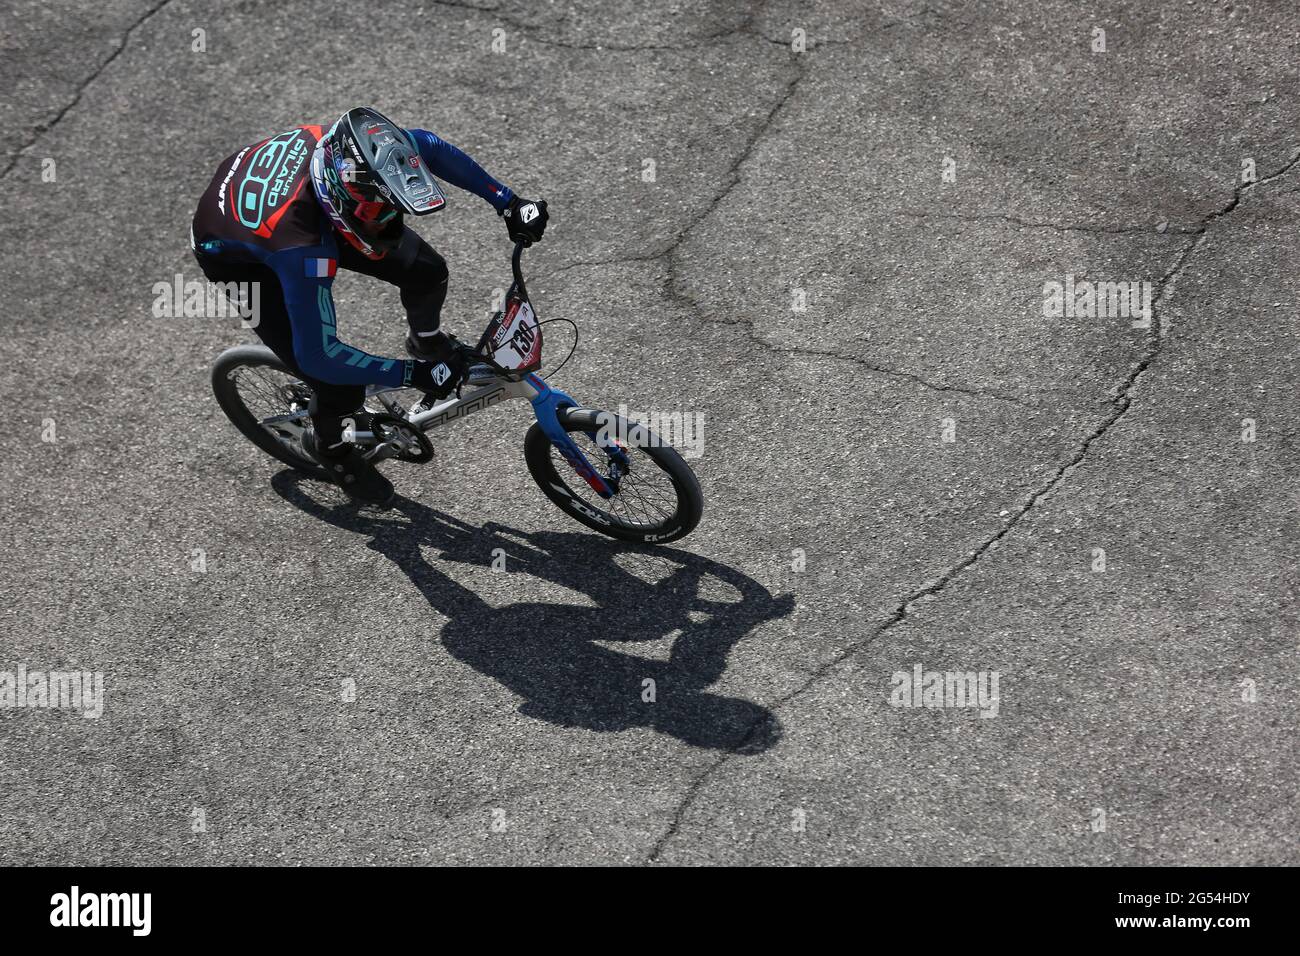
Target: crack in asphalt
(749, 326)
(800, 349)
(592, 263)
(1059, 227)
(1122, 401)
(42, 128)
(1166, 284)
(674, 288)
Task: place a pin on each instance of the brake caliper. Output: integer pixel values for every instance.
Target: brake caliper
(620, 463)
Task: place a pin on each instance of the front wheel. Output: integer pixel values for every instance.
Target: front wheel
(658, 497)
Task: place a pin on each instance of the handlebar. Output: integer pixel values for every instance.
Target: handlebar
(477, 352)
(514, 265)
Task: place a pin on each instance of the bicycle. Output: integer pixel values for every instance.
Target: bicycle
(606, 451)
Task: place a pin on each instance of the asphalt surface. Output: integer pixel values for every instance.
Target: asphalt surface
(355, 687)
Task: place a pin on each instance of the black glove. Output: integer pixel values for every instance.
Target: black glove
(441, 378)
(525, 220)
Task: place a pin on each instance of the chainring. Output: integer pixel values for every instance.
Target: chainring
(414, 444)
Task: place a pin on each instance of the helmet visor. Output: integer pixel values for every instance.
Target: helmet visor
(397, 171)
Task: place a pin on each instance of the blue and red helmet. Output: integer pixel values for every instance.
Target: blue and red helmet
(367, 172)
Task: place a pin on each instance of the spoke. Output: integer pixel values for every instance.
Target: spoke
(645, 505)
(664, 507)
(259, 384)
(636, 484)
(657, 495)
(640, 509)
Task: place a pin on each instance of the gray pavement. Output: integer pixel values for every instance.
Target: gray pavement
(339, 686)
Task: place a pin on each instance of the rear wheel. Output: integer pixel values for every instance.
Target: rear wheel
(267, 403)
(658, 497)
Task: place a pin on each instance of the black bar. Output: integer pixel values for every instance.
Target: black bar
(933, 907)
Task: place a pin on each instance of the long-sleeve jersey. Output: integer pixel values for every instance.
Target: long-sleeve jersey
(261, 208)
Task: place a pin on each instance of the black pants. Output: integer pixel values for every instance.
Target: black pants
(414, 267)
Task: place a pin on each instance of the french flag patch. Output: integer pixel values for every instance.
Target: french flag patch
(321, 268)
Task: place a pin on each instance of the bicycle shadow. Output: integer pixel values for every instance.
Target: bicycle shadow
(547, 653)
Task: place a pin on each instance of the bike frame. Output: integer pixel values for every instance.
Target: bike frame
(493, 385)
(493, 392)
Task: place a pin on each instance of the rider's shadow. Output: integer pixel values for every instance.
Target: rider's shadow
(548, 653)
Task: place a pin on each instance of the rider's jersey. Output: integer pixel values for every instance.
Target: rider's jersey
(261, 208)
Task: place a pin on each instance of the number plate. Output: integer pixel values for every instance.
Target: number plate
(516, 342)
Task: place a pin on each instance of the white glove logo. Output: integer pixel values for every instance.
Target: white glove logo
(440, 373)
(528, 212)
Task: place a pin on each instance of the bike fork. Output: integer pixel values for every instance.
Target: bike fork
(547, 402)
